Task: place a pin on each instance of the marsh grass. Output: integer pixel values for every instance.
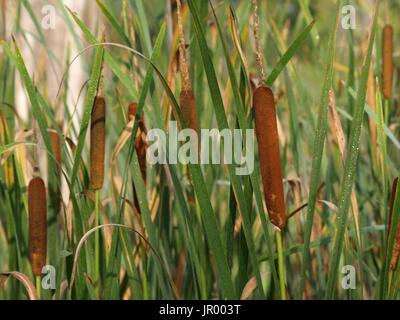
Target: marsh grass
(194, 231)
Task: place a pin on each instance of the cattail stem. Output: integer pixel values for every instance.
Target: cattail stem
(256, 33)
(186, 85)
(38, 285)
(97, 241)
(281, 268)
(387, 61)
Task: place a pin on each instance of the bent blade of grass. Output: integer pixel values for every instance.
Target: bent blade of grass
(143, 26)
(112, 225)
(350, 166)
(318, 148)
(111, 62)
(113, 21)
(24, 279)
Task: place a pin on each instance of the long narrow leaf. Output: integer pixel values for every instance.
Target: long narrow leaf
(350, 166)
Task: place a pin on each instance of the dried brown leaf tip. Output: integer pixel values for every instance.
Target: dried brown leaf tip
(132, 110)
(37, 206)
(387, 61)
(97, 143)
(140, 139)
(270, 161)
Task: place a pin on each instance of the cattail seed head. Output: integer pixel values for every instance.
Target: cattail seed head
(55, 145)
(188, 108)
(37, 206)
(97, 143)
(270, 161)
(387, 61)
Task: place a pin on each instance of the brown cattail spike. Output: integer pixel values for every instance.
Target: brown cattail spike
(387, 61)
(97, 143)
(55, 145)
(270, 161)
(188, 108)
(37, 206)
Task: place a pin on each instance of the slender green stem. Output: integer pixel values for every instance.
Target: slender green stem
(97, 242)
(38, 285)
(281, 267)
